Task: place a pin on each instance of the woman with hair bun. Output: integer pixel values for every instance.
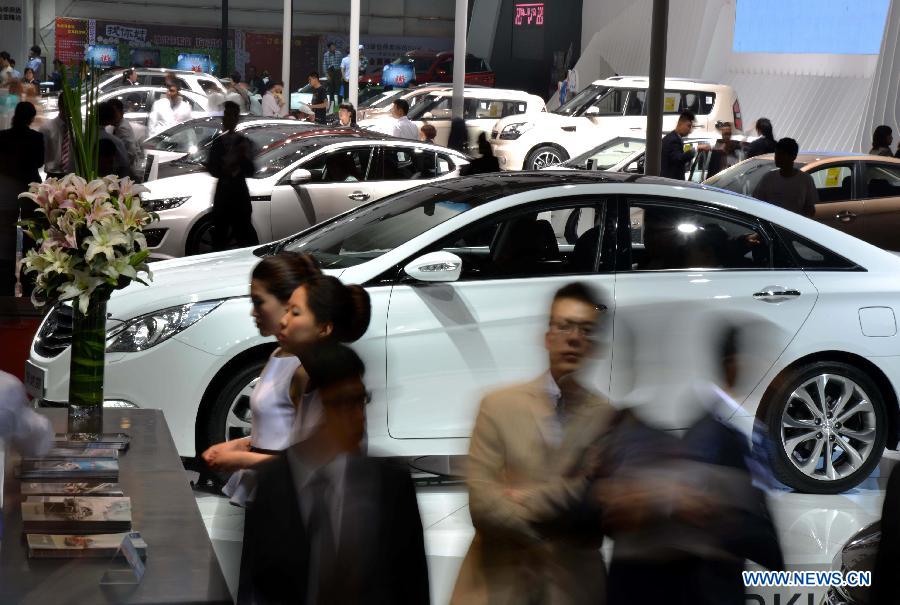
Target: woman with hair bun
(321, 310)
(275, 399)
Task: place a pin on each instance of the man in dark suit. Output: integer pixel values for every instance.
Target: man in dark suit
(330, 525)
(674, 155)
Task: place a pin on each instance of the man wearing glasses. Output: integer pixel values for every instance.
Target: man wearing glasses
(527, 467)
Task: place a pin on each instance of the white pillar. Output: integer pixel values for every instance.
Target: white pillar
(287, 28)
(459, 56)
(353, 84)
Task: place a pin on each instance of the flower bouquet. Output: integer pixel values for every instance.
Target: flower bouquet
(88, 233)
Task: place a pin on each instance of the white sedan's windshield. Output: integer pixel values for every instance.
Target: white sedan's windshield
(581, 101)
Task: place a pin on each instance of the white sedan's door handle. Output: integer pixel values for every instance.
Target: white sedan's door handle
(358, 196)
(776, 294)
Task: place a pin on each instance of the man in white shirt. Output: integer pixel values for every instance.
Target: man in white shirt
(274, 104)
(6, 70)
(345, 72)
(168, 111)
(788, 187)
(403, 126)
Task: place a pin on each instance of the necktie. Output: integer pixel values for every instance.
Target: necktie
(66, 155)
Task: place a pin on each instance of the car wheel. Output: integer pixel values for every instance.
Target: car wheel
(544, 156)
(201, 239)
(828, 425)
(230, 417)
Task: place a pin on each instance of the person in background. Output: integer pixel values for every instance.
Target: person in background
(527, 469)
(21, 157)
(124, 132)
(25, 429)
(56, 77)
(120, 164)
(168, 111)
(345, 72)
(171, 80)
(107, 156)
(766, 142)
(486, 162)
(458, 139)
(329, 524)
(273, 103)
(35, 61)
(726, 152)
(331, 67)
(675, 154)
(6, 70)
(214, 102)
(347, 115)
(238, 94)
(231, 162)
(402, 126)
(321, 311)
(130, 77)
(427, 133)
(59, 156)
(319, 102)
(16, 74)
(28, 77)
(277, 396)
(788, 187)
(882, 138)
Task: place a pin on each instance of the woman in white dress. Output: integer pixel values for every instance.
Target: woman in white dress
(275, 398)
(320, 310)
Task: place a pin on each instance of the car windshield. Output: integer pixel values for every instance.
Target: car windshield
(277, 157)
(188, 137)
(580, 102)
(377, 228)
(431, 103)
(261, 137)
(608, 154)
(744, 177)
(383, 99)
(420, 64)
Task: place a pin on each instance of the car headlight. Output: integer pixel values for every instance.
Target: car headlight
(511, 132)
(146, 331)
(166, 203)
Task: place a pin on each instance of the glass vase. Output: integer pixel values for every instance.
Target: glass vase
(86, 369)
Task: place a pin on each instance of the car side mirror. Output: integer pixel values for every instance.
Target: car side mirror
(301, 175)
(438, 266)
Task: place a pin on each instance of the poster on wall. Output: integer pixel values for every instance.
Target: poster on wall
(71, 39)
(102, 55)
(193, 62)
(381, 50)
(145, 57)
(12, 29)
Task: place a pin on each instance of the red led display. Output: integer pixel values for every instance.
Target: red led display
(529, 14)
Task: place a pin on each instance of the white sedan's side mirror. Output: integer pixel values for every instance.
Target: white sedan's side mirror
(301, 175)
(435, 267)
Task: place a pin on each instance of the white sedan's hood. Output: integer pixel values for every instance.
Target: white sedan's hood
(195, 183)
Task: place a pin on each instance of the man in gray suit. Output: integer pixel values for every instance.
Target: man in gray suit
(527, 466)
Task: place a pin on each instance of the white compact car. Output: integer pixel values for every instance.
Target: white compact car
(603, 110)
(200, 83)
(481, 109)
(300, 181)
(826, 387)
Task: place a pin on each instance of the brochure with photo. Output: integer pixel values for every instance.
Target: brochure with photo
(116, 441)
(70, 468)
(57, 453)
(76, 514)
(49, 546)
(69, 488)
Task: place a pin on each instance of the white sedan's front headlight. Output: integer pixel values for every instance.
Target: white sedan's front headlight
(164, 204)
(511, 132)
(146, 331)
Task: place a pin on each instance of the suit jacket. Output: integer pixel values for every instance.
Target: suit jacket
(674, 157)
(23, 155)
(381, 551)
(515, 556)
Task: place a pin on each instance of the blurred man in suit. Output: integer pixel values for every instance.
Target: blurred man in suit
(330, 525)
(527, 469)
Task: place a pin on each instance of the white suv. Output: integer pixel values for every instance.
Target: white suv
(603, 110)
(197, 82)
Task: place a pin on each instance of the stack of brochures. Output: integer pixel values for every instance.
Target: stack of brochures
(72, 503)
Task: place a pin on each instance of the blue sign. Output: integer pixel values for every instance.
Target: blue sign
(198, 63)
(398, 75)
(102, 56)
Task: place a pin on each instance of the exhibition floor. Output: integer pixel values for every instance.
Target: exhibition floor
(812, 528)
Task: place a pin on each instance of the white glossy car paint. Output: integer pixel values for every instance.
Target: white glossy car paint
(433, 349)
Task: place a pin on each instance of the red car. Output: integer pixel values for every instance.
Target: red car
(419, 67)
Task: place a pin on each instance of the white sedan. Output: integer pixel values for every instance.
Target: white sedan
(460, 274)
(302, 180)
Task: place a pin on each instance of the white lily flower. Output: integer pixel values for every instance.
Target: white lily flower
(103, 240)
